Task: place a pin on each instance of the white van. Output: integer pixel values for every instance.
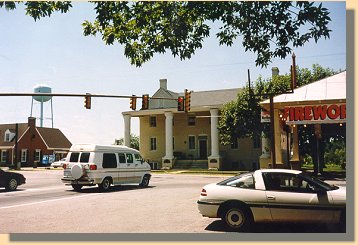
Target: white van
(89, 164)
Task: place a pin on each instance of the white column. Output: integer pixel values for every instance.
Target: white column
(168, 135)
(214, 132)
(127, 130)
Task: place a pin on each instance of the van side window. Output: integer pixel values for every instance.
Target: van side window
(84, 157)
(129, 158)
(121, 158)
(109, 160)
(74, 156)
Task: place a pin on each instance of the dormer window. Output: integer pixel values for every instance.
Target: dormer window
(8, 136)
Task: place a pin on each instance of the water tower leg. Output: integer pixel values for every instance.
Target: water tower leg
(51, 113)
(42, 113)
(32, 105)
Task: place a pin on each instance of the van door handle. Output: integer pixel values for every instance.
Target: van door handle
(271, 198)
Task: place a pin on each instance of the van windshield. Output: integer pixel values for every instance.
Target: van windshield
(138, 157)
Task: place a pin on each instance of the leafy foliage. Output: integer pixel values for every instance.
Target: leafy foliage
(242, 118)
(134, 141)
(269, 29)
(38, 10)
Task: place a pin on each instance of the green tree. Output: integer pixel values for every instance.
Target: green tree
(268, 29)
(242, 118)
(134, 141)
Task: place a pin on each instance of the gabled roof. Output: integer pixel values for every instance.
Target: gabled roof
(200, 100)
(3, 127)
(213, 97)
(54, 138)
(162, 92)
(329, 88)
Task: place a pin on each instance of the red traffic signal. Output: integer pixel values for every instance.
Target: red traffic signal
(145, 101)
(88, 101)
(133, 102)
(181, 104)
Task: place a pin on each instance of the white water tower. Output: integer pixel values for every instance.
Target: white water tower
(42, 88)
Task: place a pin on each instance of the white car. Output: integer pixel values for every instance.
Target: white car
(58, 163)
(273, 195)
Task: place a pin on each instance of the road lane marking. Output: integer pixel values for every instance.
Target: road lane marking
(52, 200)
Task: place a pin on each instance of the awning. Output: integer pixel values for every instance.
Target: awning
(328, 89)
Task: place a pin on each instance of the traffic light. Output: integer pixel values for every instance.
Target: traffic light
(181, 103)
(133, 102)
(187, 100)
(145, 101)
(88, 101)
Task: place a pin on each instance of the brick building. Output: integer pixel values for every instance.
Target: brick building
(33, 143)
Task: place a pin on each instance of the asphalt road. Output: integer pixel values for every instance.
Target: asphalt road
(45, 205)
(168, 205)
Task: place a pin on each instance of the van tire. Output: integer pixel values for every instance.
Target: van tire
(77, 187)
(105, 185)
(145, 181)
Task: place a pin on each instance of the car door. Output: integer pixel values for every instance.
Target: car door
(292, 198)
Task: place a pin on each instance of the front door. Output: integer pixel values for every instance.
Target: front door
(203, 149)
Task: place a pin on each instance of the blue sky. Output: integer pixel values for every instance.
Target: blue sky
(53, 51)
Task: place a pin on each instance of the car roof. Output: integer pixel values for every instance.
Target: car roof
(278, 170)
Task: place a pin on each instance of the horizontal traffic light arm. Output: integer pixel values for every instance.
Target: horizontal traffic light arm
(83, 95)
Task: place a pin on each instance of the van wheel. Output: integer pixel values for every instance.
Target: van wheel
(145, 181)
(77, 187)
(104, 186)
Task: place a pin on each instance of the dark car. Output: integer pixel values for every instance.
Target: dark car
(11, 180)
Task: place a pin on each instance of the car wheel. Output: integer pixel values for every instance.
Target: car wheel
(145, 181)
(238, 218)
(11, 185)
(105, 185)
(77, 187)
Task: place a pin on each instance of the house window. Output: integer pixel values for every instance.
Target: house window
(191, 121)
(3, 156)
(257, 141)
(235, 144)
(37, 156)
(152, 122)
(191, 142)
(153, 144)
(24, 155)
